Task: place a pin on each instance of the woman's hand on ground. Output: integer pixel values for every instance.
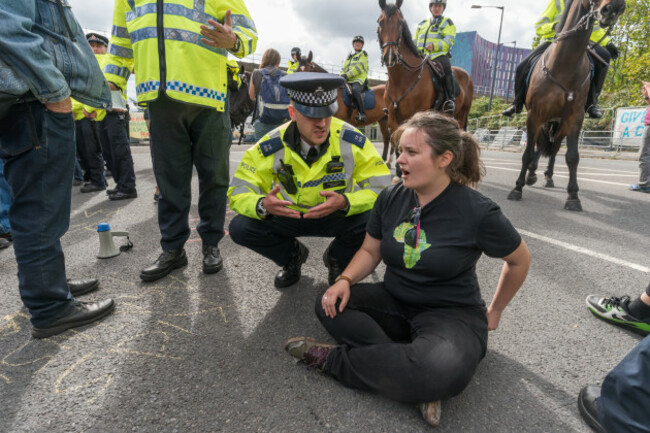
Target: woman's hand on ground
(493, 318)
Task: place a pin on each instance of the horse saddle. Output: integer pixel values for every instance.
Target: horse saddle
(439, 75)
(368, 96)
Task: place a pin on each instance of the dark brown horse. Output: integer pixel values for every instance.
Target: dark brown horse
(376, 114)
(410, 83)
(241, 105)
(558, 90)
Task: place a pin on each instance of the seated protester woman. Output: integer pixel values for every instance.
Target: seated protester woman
(272, 101)
(419, 335)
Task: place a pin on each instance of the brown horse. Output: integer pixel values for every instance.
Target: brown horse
(558, 90)
(348, 114)
(410, 84)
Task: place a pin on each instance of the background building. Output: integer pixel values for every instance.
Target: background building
(476, 55)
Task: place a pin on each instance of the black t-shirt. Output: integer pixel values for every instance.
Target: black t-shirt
(455, 228)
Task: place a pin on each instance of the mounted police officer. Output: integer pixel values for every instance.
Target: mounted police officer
(355, 72)
(313, 176)
(434, 38)
(545, 29)
(294, 63)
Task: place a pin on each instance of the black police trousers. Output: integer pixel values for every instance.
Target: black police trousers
(357, 95)
(274, 238)
(184, 136)
(413, 354)
(90, 151)
(114, 137)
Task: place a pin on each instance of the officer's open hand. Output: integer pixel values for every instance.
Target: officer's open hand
(278, 207)
(334, 202)
(219, 35)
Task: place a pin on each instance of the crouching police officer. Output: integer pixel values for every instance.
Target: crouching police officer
(313, 176)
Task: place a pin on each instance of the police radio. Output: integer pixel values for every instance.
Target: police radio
(285, 176)
(335, 165)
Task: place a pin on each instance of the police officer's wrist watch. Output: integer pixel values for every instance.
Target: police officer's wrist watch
(260, 209)
(237, 45)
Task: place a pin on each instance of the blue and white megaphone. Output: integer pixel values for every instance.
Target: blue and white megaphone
(107, 247)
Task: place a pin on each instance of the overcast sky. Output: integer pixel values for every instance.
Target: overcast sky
(327, 26)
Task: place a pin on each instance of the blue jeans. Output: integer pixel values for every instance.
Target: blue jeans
(38, 150)
(625, 393)
(5, 202)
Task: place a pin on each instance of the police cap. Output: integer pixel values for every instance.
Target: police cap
(313, 93)
(97, 39)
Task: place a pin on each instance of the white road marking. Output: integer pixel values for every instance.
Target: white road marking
(585, 251)
(566, 177)
(518, 164)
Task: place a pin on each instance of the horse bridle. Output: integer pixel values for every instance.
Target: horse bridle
(582, 24)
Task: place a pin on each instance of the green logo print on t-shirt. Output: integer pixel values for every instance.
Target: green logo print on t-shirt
(411, 255)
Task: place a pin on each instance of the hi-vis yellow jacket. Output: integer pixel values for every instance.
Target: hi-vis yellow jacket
(78, 108)
(292, 67)
(364, 174)
(162, 38)
(355, 67)
(442, 35)
(545, 27)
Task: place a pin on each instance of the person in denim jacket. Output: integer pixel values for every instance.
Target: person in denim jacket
(44, 60)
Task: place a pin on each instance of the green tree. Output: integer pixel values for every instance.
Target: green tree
(632, 37)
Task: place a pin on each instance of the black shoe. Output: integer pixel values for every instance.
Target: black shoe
(92, 188)
(4, 243)
(594, 112)
(361, 117)
(512, 110)
(333, 268)
(76, 182)
(212, 262)
(6, 236)
(122, 195)
(111, 191)
(588, 409)
(166, 262)
(290, 273)
(81, 287)
(449, 106)
(81, 313)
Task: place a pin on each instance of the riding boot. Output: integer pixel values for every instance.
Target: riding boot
(591, 107)
(450, 104)
(520, 94)
(361, 117)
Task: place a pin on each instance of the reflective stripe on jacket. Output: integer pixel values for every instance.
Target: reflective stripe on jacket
(162, 40)
(355, 67)
(441, 34)
(364, 175)
(545, 26)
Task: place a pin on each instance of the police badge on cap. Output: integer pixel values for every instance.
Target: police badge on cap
(313, 93)
(97, 38)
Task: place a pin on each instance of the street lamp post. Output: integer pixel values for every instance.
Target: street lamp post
(496, 55)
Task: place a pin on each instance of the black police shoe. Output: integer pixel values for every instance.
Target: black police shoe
(81, 313)
(512, 110)
(588, 409)
(123, 195)
(290, 273)
(92, 188)
(333, 268)
(81, 287)
(212, 262)
(111, 191)
(166, 262)
(594, 112)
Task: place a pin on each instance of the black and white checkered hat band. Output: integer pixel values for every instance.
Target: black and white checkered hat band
(318, 98)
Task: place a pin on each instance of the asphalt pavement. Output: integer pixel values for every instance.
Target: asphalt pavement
(204, 353)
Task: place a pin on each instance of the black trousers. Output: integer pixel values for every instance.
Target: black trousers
(449, 78)
(113, 136)
(90, 151)
(274, 238)
(357, 90)
(600, 73)
(407, 353)
(184, 136)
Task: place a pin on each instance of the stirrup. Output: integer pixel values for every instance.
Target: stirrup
(449, 106)
(594, 112)
(512, 110)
